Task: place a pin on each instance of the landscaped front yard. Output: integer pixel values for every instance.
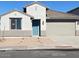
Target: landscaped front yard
(26, 42)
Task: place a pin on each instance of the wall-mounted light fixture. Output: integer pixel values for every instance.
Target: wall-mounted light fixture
(42, 22)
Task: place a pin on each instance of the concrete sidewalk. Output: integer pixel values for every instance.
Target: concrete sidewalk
(20, 43)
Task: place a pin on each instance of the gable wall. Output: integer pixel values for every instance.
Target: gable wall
(38, 12)
(26, 25)
(25, 22)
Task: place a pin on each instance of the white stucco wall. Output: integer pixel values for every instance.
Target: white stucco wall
(60, 29)
(5, 21)
(38, 12)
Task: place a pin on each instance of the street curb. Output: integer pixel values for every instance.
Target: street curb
(42, 49)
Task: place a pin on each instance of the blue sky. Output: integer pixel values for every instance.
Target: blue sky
(62, 6)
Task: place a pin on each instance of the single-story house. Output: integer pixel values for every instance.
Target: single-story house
(37, 20)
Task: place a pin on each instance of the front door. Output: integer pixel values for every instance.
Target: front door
(36, 27)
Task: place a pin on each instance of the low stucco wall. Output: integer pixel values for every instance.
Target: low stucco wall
(60, 29)
(19, 33)
(16, 33)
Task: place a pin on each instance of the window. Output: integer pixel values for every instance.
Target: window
(15, 23)
(24, 10)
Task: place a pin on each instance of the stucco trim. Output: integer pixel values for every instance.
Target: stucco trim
(60, 20)
(35, 3)
(17, 11)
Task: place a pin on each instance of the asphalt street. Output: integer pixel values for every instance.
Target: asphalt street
(39, 54)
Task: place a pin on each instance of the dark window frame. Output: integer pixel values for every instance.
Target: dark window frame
(16, 21)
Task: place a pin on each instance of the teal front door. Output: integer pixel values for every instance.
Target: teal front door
(36, 27)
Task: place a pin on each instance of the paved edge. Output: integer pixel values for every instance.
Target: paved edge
(41, 49)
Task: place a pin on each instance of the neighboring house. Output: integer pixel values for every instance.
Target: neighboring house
(37, 20)
(74, 11)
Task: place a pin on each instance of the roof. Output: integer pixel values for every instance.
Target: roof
(17, 11)
(73, 10)
(51, 14)
(35, 3)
